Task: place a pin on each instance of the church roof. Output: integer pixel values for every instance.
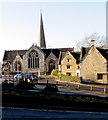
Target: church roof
(10, 55)
(65, 49)
(56, 52)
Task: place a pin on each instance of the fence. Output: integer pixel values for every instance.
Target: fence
(86, 87)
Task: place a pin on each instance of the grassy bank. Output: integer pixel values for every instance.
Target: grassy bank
(31, 99)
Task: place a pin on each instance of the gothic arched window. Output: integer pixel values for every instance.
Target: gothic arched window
(18, 66)
(51, 65)
(33, 59)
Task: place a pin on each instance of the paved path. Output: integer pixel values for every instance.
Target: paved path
(30, 113)
(81, 92)
(69, 91)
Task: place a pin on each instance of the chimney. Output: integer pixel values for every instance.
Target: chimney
(92, 42)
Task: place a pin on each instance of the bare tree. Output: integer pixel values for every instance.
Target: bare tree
(86, 42)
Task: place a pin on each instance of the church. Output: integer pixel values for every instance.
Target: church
(37, 60)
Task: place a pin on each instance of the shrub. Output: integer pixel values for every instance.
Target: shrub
(54, 72)
(51, 88)
(24, 85)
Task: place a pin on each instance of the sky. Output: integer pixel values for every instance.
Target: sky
(65, 23)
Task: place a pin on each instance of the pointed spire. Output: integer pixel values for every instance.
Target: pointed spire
(41, 41)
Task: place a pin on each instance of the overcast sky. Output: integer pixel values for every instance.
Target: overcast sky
(65, 23)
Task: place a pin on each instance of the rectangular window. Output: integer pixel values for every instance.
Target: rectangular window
(68, 59)
(68, 73)
(68, 66)
(99, 76)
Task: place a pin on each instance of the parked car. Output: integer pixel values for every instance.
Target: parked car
(22, 76)
(18, 76)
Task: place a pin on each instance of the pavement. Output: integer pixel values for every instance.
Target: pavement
(69, 91)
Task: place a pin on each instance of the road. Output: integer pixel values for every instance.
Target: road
(30, 113)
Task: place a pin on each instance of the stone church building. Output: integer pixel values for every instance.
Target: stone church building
(37, 59)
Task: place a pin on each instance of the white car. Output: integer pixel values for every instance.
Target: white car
(18, 76)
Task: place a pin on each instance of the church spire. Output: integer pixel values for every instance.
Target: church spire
(41, 41)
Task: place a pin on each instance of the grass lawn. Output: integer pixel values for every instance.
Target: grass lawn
(69, 78)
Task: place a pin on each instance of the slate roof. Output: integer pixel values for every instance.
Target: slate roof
(84, 51)
(10, 55)
(104, 52)
(56, 52)
(65, 49)
(76, 55)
